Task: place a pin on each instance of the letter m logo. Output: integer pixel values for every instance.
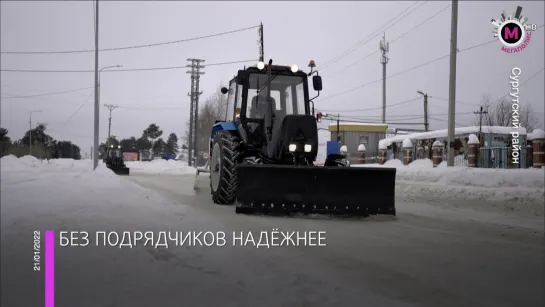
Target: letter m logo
(511, 34)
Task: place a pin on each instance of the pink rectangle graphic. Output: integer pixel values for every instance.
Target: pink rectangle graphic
(49, 268)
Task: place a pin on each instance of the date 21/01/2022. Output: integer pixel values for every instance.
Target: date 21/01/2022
(37, 250)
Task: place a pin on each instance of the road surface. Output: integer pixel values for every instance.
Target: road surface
(420, 258)
(425, 257)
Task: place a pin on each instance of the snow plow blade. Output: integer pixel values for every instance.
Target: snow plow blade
(121, 171)
(361, 191)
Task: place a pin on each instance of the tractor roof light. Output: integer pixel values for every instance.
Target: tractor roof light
(260, 65)
(311, 64)
(294, 68)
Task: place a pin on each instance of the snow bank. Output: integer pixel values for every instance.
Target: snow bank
(161, 167)
(421, 163)
(504, 190)
(66, 193)
(473, 139)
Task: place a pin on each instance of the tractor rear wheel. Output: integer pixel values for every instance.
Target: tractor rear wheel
(226, 153)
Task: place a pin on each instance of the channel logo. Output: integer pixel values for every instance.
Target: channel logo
(513, 31)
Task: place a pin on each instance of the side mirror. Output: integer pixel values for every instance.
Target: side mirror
(317, 83)
(243, 77)
(224, 90)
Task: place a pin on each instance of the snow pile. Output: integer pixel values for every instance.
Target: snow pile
(392, 163)
(383, 144)
(504, 190)
(361, 147)
(536, 134)
(407, 143)
(473, 139)
(437, 143)
(160, 167)
(421, 163)
(66, 194)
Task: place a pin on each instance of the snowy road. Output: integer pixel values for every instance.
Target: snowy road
(425, 257)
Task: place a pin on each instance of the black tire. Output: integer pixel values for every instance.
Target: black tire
(224, 187)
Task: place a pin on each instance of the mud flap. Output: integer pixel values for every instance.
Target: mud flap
(313, 189)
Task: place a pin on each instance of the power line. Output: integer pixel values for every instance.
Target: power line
(391, 42)
(120, 70)
(131, 47)
(478, 104)
(457, 101)
(359, 110)
(47, 94)
(444, 120)
(526, 81)
(80, 107)
(423, 22)
(407, 70)
(373, 35)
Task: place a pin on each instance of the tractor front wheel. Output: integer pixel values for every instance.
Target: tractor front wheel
(223, 168)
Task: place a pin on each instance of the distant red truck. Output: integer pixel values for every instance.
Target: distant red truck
(130, 156)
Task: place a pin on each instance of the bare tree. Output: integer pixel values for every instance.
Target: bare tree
(500, 113)
(213, 108)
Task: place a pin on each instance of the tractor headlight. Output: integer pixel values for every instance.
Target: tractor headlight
(260, 65)
(111, 146)
(292, 147)
(308, 148)
(118, 146)
(294, 68)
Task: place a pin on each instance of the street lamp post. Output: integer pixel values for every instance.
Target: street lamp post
(426, 125)
(30, 131)
(97, 103)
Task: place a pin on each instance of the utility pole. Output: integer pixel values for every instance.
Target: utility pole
(426, 123)
(194, 107)
(261, 45)
(384, 48)
(111, 108)
(97, 108)
(481, 112)
(452, 82)
(338, 130)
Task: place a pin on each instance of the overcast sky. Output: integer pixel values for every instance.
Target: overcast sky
(294, 33)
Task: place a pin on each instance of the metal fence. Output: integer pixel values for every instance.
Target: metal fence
(493, 158)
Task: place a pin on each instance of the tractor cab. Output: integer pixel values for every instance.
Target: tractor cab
(114, 152)
(272, 107)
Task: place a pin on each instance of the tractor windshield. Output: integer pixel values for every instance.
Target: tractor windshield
(287, 95)
(114, 153)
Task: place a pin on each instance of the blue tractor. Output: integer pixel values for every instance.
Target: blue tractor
(262, 155)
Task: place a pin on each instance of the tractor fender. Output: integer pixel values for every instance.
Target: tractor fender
(219, 126)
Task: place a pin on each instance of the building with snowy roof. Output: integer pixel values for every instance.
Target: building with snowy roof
(353, 134)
